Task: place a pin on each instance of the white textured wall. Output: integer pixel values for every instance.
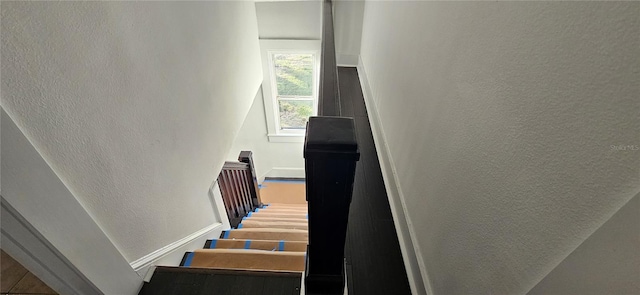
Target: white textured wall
(289, 20)
(347, 26)
(608, 262)
(499, 118)
(134, 105)
(284, 157)
(277, 20)
(34, 190)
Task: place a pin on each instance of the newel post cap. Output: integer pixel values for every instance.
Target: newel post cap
(331, 136)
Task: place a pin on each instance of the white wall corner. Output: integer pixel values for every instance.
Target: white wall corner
(25, 244)
(606, 262)
(171, 254)
(286, 172)
(50, 231)
(413, 259)
(347, 60)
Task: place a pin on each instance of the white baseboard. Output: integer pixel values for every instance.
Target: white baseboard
(347, 60)
(26, 245)
(51, 232)
(414, 264)
(171, 254)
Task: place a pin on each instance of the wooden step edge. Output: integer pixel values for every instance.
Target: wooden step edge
(295, 206)
(286, 219)
(272, 224)
(188, 256)
(225, 233)
(268, 234)
(271, 230)
(228, 271)
(288, 209)
(249, 259)
(283, 226)
(276, 211)
(280, 244)
(249, 252)
(282, 214)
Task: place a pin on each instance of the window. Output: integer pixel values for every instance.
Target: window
(290, 87)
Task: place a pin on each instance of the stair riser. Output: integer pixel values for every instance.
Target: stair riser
(259, 224)
(276, 219)
(249, 260)
(278, 215)
(259, 245)
(291, 211)
(287, 207)
(269, 236)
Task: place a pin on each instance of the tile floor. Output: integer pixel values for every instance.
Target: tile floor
(15, 279)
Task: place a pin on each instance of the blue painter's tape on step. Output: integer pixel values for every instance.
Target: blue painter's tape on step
(249, 215)
(187, 262)
(281, 245)
(226, 234)
(247, 244)
(240, 225)
(307, 216)
(213, 244)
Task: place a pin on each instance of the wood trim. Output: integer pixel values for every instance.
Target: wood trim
(239, 187)
(247, 157)
(153, 257)
(23, 242)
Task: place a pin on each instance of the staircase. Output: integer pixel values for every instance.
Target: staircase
(272, 238)
(265, 253)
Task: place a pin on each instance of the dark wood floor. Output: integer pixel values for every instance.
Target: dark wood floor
(183, 281)
(374, 261)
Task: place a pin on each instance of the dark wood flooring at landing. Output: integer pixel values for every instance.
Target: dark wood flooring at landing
(185, 281)
(374, 261)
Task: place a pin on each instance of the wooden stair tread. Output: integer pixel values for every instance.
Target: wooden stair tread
(249, 259)
(298, 246)
(270, 230)
(249, 223)
(279, 214)
(272, 218)
(280, 210)
(286, 205)
(276, 234)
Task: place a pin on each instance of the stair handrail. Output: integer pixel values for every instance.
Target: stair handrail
(329, 94)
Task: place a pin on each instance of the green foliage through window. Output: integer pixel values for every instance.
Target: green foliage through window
(294, 87)
(294, 114)
(294, 74)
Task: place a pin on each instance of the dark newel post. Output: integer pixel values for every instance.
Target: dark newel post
(331, 153)
(247, 157)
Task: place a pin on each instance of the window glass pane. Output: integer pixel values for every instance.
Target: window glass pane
(294, 114)
(294, 74)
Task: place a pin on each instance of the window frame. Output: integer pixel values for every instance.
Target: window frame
(268, 47)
